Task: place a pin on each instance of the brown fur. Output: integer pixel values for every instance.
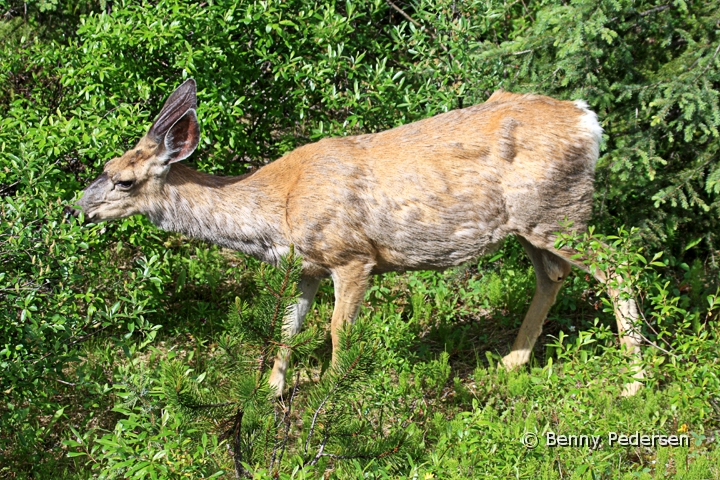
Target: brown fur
(427, 195)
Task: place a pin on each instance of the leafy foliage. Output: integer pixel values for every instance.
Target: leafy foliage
(84, 362)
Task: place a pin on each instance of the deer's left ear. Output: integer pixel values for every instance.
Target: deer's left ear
(181, 139)
(178, 103)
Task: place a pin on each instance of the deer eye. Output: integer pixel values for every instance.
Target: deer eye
(125, 184)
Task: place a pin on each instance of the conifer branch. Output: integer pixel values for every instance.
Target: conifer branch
(235, 450)
(287, 272)
(286, 421)
(200, 406)
(329, 395)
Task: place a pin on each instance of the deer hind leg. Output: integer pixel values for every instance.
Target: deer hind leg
(626, 314)
(350, 282)
(550, 271)
(293, 323)
(626, 317)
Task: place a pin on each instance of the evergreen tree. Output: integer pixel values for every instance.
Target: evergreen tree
(315, 421)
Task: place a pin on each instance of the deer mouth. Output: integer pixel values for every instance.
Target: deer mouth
(69, 211)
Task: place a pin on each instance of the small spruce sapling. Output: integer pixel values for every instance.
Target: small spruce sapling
(232, 395)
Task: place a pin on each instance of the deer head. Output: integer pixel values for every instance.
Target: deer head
(129, 182)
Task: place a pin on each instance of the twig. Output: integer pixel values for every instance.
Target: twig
(320, 451)
(651, 328)
(659, 8)
(108, 113)
(708, 65)
(210, 405)
(8, 187)
(81, 339)
(65, 383)
(402, 12)
(527, 11)
(636, 331)
(237, 456)
(350, 457)
(23, 289)
(653, 344)
(328, 396)
(286, 420)
(694, 171)
(312, 424)
(415, 22)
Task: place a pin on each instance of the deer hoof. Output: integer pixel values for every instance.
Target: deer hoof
(630, 389)
(514, 359)
(277, 382)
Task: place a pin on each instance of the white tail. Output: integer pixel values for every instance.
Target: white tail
(427, 195)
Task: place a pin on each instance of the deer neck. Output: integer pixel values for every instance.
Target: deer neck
(233, 212)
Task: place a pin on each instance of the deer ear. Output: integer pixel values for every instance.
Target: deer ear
(176, 106)
(181, 139)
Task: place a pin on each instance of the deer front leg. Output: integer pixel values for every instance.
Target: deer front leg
(350, 283)
(292, 324)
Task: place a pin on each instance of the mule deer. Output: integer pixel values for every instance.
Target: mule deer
(427, 195)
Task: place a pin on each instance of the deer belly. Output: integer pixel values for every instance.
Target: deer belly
(416, 237)
(428, 248)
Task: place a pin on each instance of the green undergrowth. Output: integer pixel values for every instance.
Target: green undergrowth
(434, 400)
(100, 324)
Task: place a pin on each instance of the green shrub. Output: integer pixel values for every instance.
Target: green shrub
(81, 307)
